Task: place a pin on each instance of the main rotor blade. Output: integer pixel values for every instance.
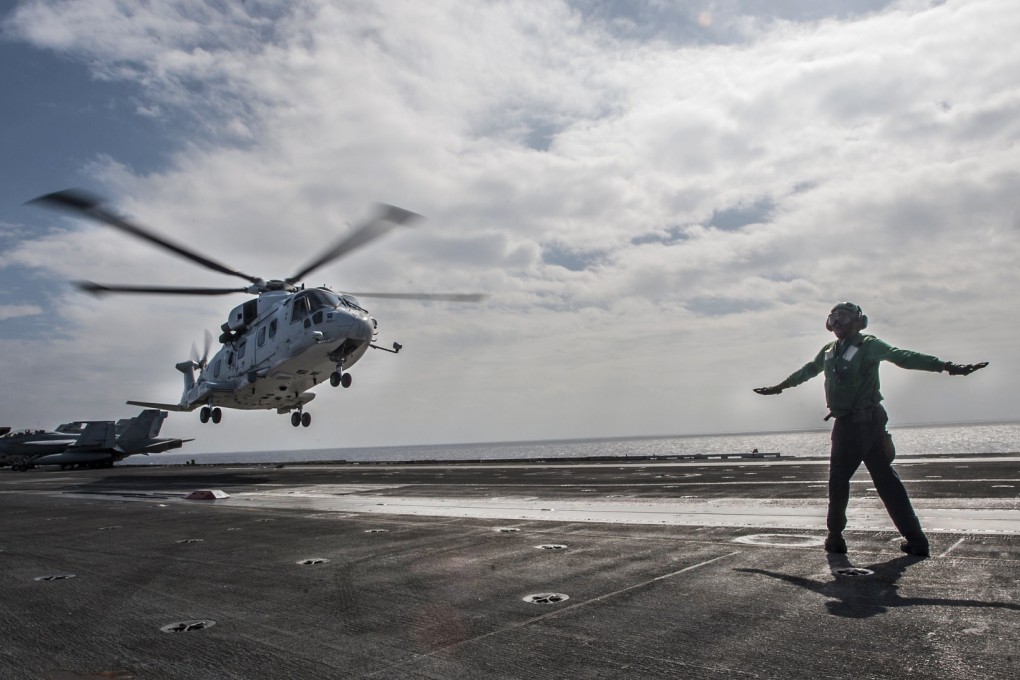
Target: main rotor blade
(88, 205)
(389, 217)
(440, 297)
(103, 289)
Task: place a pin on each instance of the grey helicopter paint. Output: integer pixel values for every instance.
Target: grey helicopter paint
(277, 346)
(272, 361)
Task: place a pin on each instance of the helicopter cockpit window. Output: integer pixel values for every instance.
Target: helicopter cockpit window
(352, 301)
(216, 368)
(241, 349)
(262, 336)
(322, 298)
(301, 307)
(272, 329)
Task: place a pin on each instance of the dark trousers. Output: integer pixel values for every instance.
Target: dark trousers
(861, 437)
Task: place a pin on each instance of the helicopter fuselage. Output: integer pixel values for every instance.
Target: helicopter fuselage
(276, 348)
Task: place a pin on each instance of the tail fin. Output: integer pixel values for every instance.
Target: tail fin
(98, 435)
(145, 425)
(188, 369)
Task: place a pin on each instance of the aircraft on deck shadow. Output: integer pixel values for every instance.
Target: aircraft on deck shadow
(91, 444)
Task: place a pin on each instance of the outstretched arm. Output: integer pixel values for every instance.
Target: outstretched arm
(808, 371)
(963, 369)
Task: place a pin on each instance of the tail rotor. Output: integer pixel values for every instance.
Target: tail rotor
(200, 362)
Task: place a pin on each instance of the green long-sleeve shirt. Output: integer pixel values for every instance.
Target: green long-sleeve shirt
(851, 371)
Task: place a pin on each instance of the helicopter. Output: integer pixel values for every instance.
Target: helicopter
(277, 346)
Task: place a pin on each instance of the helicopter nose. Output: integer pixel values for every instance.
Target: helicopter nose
(366, 328)
(359, 326)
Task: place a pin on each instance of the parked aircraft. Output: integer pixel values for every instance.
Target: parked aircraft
(96, 443)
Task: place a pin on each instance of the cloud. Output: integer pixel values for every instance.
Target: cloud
(17, 311)
(661, 205)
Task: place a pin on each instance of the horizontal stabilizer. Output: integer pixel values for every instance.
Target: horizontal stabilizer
(168, 407)
(147, 446)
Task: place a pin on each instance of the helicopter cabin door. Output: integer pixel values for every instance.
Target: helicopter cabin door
(265, 343)
(243, 358)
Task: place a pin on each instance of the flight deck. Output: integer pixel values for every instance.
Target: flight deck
(629, 569)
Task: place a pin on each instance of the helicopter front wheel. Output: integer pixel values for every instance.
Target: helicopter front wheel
(298, 418)
(336, 379)
(204, 414)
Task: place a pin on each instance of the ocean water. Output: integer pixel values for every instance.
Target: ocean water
(912, 440)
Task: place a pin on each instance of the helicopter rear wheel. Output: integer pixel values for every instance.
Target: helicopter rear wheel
(295, 418)
(217, 415)
(346, 380)
(335, 379)
(204, 414)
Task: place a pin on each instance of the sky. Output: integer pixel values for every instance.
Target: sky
(662, 201)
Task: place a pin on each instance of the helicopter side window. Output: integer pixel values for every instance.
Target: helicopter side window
(272, 329)
(241, 349)
(230, 358)
(216, 368)
(262, 336)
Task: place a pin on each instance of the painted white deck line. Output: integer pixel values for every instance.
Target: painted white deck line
(964, 515)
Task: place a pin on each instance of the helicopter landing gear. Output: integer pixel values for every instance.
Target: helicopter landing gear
(337, 378)
(215, 414)
(299, 418)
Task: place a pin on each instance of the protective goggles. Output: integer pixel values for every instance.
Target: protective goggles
(841, 317)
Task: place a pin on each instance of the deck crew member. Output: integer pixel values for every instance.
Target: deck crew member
(850, 364)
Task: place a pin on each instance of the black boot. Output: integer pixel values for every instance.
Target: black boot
(835, 543)
(917, 546)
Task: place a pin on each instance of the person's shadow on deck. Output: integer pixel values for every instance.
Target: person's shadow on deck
(861, 596)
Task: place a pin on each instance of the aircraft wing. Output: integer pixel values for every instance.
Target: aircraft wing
(50, 443)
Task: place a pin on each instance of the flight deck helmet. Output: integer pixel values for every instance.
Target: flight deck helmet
(846, 312)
